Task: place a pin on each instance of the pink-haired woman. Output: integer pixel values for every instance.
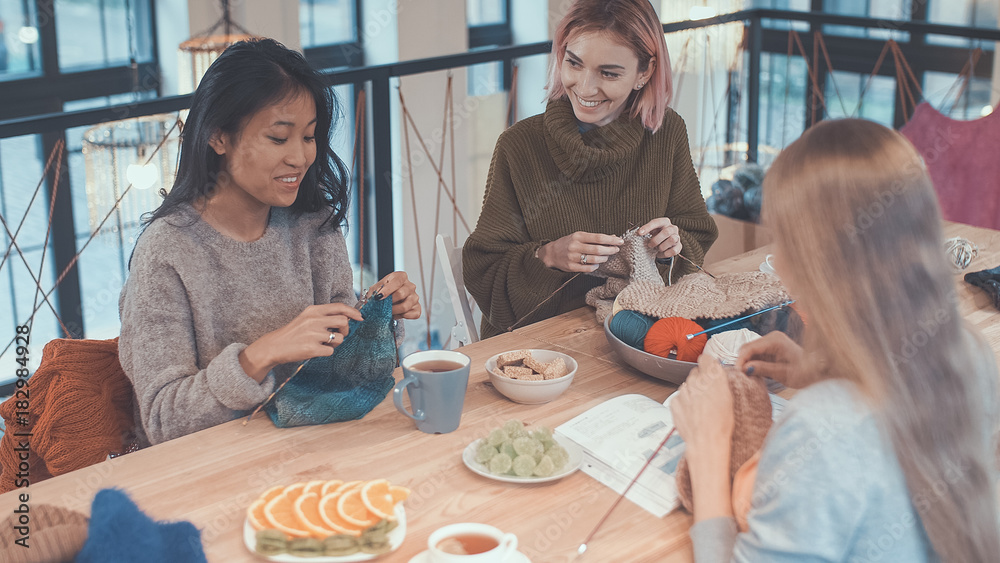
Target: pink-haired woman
(607, 155)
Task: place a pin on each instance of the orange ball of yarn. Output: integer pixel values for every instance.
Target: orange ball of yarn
(670, 334)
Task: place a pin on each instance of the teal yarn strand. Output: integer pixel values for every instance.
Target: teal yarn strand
(631, 327)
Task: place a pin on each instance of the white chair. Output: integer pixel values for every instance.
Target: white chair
(464, 331)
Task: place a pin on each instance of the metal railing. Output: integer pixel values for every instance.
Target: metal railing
(379, 78)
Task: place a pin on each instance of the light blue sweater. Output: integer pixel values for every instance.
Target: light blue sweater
(829, 488)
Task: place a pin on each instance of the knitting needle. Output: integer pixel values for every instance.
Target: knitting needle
(583, 546)
(693, 263)
(696, 265)
(275, 392)
(727, 323)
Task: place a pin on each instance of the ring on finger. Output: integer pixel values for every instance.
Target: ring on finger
(583, 258)
(330, 340)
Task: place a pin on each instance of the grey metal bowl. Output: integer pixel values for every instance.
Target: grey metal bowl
(674, 371)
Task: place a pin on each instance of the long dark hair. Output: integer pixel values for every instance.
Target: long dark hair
(247, 77)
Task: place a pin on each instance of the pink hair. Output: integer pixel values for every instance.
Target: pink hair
(634, 24)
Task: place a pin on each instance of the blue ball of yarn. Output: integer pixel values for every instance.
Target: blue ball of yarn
(631, 327)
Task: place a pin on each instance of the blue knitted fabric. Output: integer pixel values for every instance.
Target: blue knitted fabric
(348, 384)
(120, 532)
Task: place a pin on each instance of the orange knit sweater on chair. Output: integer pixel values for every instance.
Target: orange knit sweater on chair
(79, 411)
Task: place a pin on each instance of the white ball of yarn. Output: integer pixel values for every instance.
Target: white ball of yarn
(725, 346)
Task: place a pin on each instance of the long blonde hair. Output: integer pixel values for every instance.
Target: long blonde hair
(859, 240)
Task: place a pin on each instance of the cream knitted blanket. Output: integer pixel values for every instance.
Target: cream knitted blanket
(634, 263)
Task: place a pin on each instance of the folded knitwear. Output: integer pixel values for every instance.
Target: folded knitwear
(699, 296)
(120, 531)
(53, 535)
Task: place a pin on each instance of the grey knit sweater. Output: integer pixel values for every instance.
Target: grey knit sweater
(194, 299)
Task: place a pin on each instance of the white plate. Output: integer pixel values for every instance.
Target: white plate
(575, 460)
(395, 540)
(425, 557)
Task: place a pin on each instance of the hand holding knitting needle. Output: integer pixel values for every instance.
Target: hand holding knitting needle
(405, 301)
(579, 252)
(778, 357)
(664, 236)
(703, 415)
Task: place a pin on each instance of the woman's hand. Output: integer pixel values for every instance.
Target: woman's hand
(405, 302)
(703, 409)
(665, 237)
(776, 356)
(579, 252)
(703, 415)
(315, 332)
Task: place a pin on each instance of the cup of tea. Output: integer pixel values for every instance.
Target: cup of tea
(471, 543)
(435, 380)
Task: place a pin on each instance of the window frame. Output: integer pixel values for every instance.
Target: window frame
(342, 54)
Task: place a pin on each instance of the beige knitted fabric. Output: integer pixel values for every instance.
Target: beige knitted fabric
(698, 296)
(752, 416)
(56, 535)
(634, 262)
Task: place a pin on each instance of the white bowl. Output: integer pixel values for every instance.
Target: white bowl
(533, 392)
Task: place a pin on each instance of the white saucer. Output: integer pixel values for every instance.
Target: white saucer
(425, 557)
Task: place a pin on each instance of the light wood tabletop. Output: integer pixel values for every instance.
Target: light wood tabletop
(211, 477)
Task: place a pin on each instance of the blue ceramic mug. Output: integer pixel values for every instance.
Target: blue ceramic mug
(436, 381)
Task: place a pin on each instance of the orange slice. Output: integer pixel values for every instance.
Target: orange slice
(348, 486)
(351, 508)
(330, 486)
(313, 487)
(280, 514)
(294, 491)
(269, 494)
(399, 494)
(377, 499)
(306, 508)
(255, 515)
(328, 514)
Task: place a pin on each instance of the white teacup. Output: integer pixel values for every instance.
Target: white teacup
(475, 538)
(768, 265)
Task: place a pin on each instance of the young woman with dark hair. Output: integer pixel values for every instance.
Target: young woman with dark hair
(606, 156)
(243, 272)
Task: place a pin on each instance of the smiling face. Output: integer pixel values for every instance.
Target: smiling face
(265, 162)
(599, 74)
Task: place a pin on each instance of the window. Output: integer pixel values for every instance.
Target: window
(330, 33)
(107, 41)
(843, 97)
(489, 26)
(18, 292)
(327, 22)
(92, 69)
(978, 13)
(486, 12)
(883, 9)
(19, 52)
(942, 91)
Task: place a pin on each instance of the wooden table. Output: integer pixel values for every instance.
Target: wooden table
(212, 476)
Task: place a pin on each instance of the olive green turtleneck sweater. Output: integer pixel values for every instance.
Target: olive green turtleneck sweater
(548, 180)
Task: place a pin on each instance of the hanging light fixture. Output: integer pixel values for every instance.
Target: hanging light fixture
(199, 52)
(141, 153)
(130, 163)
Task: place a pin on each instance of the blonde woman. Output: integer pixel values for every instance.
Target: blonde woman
(888, 451)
